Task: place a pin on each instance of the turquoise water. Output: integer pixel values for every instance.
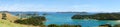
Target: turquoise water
(65, 18)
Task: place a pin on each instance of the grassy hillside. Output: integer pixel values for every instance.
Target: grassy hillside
(5, 23)
(9, 22)
(9, 17)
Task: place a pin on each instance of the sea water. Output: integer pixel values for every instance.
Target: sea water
(65, 18)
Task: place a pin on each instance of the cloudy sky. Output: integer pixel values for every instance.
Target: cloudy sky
(61, 5)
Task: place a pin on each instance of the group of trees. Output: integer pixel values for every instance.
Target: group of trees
(33, 20)
(4, 16)
(108, 25)
(105, 25)
(37, 20)
(65, 25)
(100, 16)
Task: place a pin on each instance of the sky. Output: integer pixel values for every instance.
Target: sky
(61, 5)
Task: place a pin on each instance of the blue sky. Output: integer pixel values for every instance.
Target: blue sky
(61, 5)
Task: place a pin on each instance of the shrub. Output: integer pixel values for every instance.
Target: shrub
(36, 20)
(53, 25)
(4, 16)
(117, 25)
(65, 25)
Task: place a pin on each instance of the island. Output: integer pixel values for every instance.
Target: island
(98, 16)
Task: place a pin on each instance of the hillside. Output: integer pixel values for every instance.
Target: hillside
(9, 17)
(9, 22)
(5, 23)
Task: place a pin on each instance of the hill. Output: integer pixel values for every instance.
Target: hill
(5, 23)
(100, 16)
(9, 22)
(9, 17)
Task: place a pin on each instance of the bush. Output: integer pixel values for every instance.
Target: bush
(65, 25)
(117, 25)
(105, 25)
(4, 16)
(53, 25)
(36, 20)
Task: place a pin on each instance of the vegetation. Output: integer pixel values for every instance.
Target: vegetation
(6, 23)
(100, 16)
(105, 25)
(4, 16)
(118, 25)
(53, 25)
(36, 20)
(65, 25)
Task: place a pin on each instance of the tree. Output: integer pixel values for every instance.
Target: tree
(35, 20)
(4, 16)
(53, 25)
(66, 25)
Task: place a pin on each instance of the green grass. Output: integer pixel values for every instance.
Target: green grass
(5, 23)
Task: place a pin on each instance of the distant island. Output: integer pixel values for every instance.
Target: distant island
(99, 16)
(71, 12)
